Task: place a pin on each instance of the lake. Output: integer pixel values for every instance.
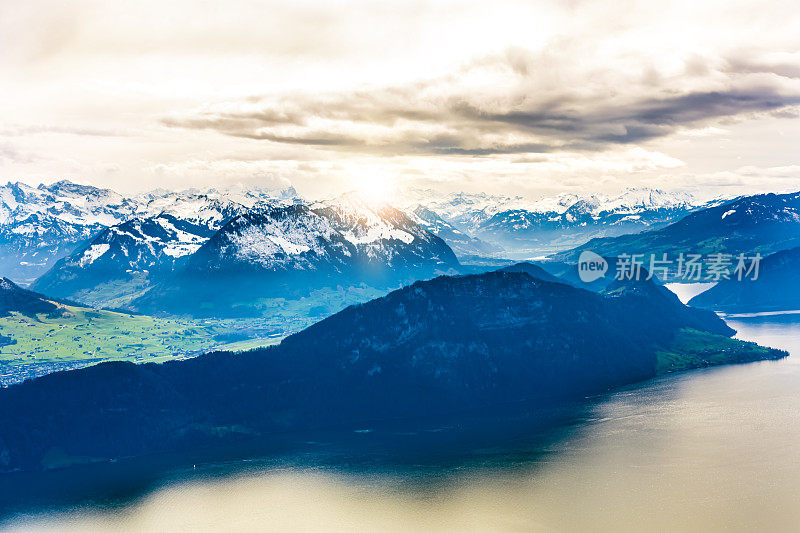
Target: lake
(708, 450)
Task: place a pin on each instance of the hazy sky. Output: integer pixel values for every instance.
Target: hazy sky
(501, 96)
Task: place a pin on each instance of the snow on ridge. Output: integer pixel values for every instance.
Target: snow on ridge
(94, 252)
(470, 210)
(76, 205)
(363, 222)
(272, 235)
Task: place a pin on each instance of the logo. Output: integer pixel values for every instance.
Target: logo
(591, 266)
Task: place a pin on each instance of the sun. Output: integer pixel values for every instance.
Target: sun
(375, 189)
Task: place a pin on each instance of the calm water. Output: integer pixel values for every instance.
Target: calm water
(708, 450)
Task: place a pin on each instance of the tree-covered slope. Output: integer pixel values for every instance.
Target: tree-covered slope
(432, 348)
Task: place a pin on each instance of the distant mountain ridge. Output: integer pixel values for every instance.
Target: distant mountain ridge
(139, 251)
(526, 228)
(159, 232)
(462, 244)
(40, 225)
(763, 223)
(282, 242)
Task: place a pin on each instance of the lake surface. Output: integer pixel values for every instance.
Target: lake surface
(708, 450)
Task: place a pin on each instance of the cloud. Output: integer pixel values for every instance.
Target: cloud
(266, 173)
(38, 129)
(10, 154)
(517, 102)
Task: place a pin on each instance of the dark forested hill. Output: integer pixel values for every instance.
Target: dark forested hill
(776, 289)
(436, 347)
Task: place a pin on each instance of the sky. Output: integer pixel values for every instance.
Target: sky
(517, 98)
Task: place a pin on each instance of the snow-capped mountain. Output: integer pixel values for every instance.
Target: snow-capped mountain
(335, 237)
(465, 211)
(157, 200)
(462, 244)
(102, 247)
(39, 225)
(206, 211)
(549, 224)
(762, 223)
(140, 251)
(208, 232)
(383, 236)
(288, 249)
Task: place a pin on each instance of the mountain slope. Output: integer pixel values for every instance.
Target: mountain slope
(533, 270)
(776, 288)
(126, 258)
(462, 244)
(385, 237)
(551, 224)
(39, 225)
(287, 250)
(19, 300)
(433, 348)
(763, 223)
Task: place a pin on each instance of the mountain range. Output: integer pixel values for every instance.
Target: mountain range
(524, 228)
(127, 258)
(169, 240)
(163, 247)
(438, 347)
(40, 225)
(291, 249)
(763, 223)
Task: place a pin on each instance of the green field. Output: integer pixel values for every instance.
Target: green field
(94, 334)
(40, 345)
(696, 349)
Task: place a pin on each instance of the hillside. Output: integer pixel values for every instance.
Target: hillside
(776, 288)
(16, 299)
(288, 250)
(436, 347)
(763, 223)
(534, 271)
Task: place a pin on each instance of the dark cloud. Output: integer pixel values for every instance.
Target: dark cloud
(526, 110)
(749, 66)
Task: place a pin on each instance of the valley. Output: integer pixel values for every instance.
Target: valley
(178, 274)
(38, 344)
